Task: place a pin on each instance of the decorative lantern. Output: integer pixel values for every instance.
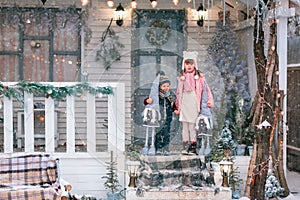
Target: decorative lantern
(201, 11)
(119, 12)
(132, 171)
(226, 167)
(84, 76)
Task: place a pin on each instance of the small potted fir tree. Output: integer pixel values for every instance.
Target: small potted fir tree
(112, 180)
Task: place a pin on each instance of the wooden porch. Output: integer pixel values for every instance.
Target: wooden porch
(71, 131)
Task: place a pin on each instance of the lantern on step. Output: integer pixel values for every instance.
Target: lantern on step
(119, 12)
(133, 167)
(201, 12)
(226, 167)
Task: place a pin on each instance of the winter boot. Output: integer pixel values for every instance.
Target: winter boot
(185, 147)
(193, 148)
(166, 151)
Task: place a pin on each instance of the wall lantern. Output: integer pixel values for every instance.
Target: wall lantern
(133, 167)
(226, 167)
(201, 11)
(119, 12)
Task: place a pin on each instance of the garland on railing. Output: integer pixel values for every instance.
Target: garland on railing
(48, 90)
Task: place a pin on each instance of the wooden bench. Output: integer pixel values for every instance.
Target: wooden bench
(29, 177)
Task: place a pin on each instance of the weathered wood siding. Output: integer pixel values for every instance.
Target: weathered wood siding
(293, 116)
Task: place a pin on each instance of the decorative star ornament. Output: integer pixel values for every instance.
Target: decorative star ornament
(264, 124)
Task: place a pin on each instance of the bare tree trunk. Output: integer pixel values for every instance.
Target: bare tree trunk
(267, 87)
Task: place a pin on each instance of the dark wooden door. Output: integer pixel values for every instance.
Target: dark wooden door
(157, 45)
(293, 117)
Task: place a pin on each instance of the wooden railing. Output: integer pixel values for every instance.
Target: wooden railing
(115, 122)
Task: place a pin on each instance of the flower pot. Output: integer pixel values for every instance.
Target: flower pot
(250, 148)
(240, 150)
(218, 178)
(113, 196)
(216, 167)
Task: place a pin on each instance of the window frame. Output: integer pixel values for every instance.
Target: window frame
(50, 38)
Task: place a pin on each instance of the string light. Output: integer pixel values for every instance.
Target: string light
(153, 3)
(85, 2)
(273, 48)
(133, 4)
(175, 2)
(110, 3)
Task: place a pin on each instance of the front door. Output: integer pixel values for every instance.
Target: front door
(157, 45)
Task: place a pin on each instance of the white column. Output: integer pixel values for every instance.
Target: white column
(283, 13)
(91, 122)
(70, 124)
(49, 125)
(116, 119)
(8, 125)
(28, 122)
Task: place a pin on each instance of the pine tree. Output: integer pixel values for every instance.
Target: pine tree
(224, 52)
(112, 180)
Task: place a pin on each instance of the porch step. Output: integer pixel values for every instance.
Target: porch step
(201, 194)
(174, 171)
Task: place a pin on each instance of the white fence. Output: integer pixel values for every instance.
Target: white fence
(82, 169)
(115, 122)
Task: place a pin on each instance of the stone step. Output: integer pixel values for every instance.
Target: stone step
(201, 194)
(174, 170)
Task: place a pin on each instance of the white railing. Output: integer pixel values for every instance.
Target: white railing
(116, 120)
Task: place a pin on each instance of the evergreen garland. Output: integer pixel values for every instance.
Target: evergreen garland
(47, 90)
(110, 47)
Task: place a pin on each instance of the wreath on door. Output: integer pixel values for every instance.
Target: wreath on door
(158, 33)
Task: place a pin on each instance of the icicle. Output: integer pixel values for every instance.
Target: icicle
(208, 4)
(247, 10)
(270, 170)
(224, 13)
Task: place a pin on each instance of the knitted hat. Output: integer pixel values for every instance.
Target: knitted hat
(190, 55)
(160, 79)
(163, 79)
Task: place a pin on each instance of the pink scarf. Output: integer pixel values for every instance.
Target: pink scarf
(189, 83)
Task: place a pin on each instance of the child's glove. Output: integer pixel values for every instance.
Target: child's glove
(149, 100)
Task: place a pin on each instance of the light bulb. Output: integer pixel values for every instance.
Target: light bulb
(110, 3)
(84, 2)
(133, 4)
(153, 3)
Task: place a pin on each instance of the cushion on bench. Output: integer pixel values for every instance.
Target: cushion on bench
(28, 176)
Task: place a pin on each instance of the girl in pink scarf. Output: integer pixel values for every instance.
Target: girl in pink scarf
(188, 99)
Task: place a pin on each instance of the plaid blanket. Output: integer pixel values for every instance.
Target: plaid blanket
(28, 176)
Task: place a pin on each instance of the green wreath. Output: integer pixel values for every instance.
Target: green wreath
(155, 37)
